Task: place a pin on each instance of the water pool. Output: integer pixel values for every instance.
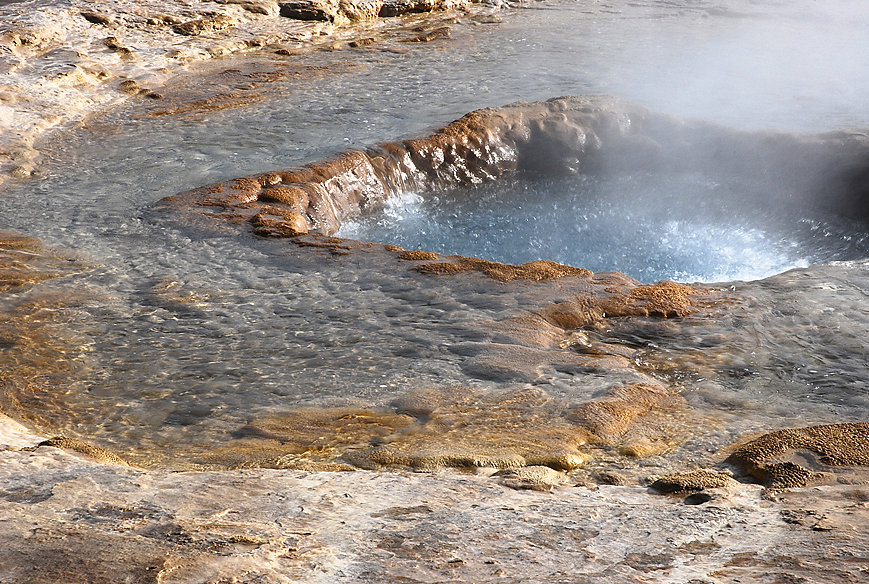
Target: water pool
(186, 339)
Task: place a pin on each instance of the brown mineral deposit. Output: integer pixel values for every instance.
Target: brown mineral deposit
(801, 456)
(149, 42)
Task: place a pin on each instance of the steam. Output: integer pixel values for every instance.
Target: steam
(682, 227)
(794, 67)
(797, 66)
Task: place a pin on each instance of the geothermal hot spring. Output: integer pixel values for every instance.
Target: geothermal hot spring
(180, 340)
(682, 226)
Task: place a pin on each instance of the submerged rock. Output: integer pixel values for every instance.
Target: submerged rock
(24, 261)
(38, 354)
(428, 36)
(426, 430)
(610, 417)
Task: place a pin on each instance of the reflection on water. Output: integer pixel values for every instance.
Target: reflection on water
(196, 339)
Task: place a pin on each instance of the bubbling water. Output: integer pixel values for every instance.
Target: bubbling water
(191, 340)
(685, 227)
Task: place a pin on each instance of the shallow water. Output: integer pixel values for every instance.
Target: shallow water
(188, 336)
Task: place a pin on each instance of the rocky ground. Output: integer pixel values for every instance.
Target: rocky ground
(67, 519)
(789, 506)
(61, 61)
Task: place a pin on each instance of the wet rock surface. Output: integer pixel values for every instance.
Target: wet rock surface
(38, 352)
(428, 429)
(583, 134)
(587, 134)
(688, 482)
(147, 43)
(25, 261)
(579, 379)
(463, 426)
(800, 456)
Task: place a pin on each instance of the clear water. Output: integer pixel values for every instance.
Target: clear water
(187, 336)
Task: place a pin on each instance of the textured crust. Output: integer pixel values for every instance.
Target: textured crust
(836, 445)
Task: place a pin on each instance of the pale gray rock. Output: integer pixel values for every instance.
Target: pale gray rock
(149, 42)
(535, 478)
(67, 519)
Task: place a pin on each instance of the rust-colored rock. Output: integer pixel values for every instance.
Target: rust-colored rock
(293, 197)
(667, 299)
(279, 223)
(536, 271)
(692, 481)
(664, 299)
(562, 135)
(786, 458)
(418, 255)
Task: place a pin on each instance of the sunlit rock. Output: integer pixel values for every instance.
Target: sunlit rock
(535, 271)
(688, 482)
(535, 478)
(208, 24)
(802, 456)
(593, 135)
(343, 11)
(90, 451)
(147, 43)
(106, 524)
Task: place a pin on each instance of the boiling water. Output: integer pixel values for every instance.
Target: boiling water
(684, 227)
(185, 337)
